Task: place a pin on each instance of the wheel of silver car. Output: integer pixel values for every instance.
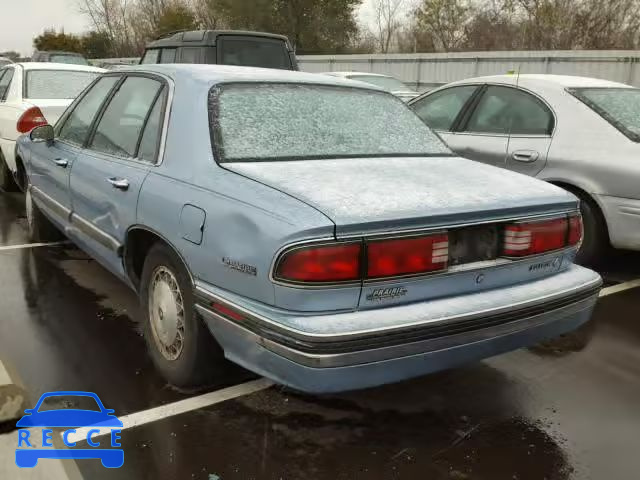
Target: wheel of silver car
(179, 343)
(596, 237)
(7, 182)
(166, 312)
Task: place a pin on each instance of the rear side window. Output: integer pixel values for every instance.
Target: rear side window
(150, 141)
(439, 110)
(168, 55)
(253, 52)
(5, 81)
(151, 56)
(618, 106)
(121, 124)
(190, 55)
(56, 84)
(77, 124)
(506, 110)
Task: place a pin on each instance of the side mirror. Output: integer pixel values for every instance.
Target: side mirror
(43, 133)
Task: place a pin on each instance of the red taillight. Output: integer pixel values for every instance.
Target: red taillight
(522, 239)
(321, 264)
(576, 230)
(407, 256)
(31, 119)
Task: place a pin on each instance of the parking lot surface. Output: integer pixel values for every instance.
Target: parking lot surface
(561, 410)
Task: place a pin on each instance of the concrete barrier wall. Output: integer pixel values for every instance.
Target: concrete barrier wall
(424, 71)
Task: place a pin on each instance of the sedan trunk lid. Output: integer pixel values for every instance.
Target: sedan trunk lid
(375, 195)
(52, 109)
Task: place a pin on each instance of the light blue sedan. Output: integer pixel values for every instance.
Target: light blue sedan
(311, 229)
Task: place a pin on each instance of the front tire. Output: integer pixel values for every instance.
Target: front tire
(179, 343)
(40, 228)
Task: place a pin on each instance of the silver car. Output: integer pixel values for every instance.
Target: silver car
(386, 82)
(579, 133)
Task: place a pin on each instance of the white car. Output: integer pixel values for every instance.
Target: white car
(33, 94)
(386, 82)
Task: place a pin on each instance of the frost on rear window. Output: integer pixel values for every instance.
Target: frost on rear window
(57, 84)
(253, 122)
(619, 106)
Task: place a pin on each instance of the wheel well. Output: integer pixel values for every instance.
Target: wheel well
(582, 194)
(139, 242)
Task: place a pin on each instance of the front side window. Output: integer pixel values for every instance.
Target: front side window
(618, 106)
(56, 84)
(440, 109)
(509, 111)
(5, 81)
(151, 56)
(77, 124)
(119, 128)
(265, 122)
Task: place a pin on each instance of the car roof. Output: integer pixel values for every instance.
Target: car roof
(346, 74)
(58, 52)
(58, 66)
(214, 74)
(559, 82)
(205, 37)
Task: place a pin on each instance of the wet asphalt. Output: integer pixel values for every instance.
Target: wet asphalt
(566, 409)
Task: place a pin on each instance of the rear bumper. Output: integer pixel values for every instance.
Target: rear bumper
(623, 220)
(354, 358)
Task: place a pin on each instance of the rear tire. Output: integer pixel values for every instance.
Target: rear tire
(596, 237)
(180, 345)
(39, 227)
(7, 182)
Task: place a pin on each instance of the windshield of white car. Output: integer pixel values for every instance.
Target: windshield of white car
(70, 59)
(390, 84)
(56, 84)
(619, 106)
(282, 121)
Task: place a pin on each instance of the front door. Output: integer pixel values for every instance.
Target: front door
(107, 177)
(52, 164)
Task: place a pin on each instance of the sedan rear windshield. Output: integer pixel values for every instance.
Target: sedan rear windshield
(619, 106)
(266, 122)
(56, 84)
(71, 59)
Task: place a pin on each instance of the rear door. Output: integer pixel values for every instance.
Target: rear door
(108, 174)
(446, 111)
(510, 128)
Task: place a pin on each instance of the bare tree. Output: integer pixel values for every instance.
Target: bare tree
(387, 22)
(445, 21)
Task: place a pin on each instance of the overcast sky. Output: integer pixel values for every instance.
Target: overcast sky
(21, 20)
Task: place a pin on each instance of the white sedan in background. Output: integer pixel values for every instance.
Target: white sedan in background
(386, 82)
(33, 94)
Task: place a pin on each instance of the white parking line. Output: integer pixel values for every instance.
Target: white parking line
(176, 408)
(33, 245)
(620, 287)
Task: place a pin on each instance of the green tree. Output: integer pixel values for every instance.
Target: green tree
(177, 16)
(52, 40)
(96, 45)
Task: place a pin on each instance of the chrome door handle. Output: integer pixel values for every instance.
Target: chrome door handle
(526, 156)
(61, 162)
(119, 183)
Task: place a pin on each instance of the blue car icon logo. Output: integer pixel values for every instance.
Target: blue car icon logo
(27, 455)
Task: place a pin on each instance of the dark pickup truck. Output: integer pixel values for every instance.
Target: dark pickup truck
(225, 47)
